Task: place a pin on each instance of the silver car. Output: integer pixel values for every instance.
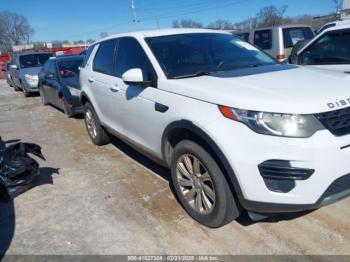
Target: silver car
(24, 70)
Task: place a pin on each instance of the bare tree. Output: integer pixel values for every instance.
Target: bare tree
(271, 16)
(103, 34)
(338, 5)
(221, 24)
(16, 28)
(187, 23)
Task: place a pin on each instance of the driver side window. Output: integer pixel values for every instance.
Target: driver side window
(332, 48)
(131, 55)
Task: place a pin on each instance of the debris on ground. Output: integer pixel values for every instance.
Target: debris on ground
(17, 169)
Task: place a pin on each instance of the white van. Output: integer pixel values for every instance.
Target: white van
(278, 41)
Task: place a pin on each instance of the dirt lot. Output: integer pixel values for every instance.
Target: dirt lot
(112, 200)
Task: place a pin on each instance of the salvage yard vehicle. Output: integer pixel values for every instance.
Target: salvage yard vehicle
(277, 41)
(328, 50)
(238, 130)
(25, 68)
(59, 84)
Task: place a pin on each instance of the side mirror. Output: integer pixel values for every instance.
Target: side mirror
(134, 77)
(13, 67)
(50, 76)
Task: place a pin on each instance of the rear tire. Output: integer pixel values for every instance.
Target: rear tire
(201, 186)
(95, 130)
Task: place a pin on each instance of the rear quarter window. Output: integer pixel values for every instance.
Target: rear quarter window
(263, 39)
(104, 58)
(291, 36)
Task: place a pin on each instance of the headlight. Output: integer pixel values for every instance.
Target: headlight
(31, 78)
(275, 124)
(74, 91)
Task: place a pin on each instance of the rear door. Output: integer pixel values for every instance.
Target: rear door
(103, 84)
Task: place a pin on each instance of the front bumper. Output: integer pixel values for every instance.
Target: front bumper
(327, 155)
(31, 86)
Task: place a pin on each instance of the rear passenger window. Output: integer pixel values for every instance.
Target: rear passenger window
(104, 58)
(87, 55)
(131, 55)
(263, 39)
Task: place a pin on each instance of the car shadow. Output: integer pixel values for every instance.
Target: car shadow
(8, 214)
(164, 173)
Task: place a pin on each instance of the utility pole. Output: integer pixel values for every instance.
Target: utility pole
(158, 25)
(133, 10)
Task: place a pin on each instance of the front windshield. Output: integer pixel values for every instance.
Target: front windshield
(34, 60)
(69, 68)
(186, 55)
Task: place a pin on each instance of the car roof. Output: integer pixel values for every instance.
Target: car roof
(31, 53)
(162, 32)
(339, 26)
(66, 57)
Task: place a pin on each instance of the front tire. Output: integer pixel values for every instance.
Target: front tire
(42, 96)
(201, 186)
(95, 130)
(66, 108)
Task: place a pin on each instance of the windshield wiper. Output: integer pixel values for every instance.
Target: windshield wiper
(197, 74)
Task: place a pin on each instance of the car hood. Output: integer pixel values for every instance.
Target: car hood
(30, 71)
(71, 81)
(276, 88)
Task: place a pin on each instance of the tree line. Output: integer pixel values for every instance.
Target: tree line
(267, 16)
(14, 30)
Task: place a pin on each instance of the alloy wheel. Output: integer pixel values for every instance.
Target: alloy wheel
(195, 184)
(90, 123)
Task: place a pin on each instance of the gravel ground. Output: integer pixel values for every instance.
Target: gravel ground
(112, 200)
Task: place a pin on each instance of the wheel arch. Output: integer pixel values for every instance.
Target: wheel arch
(84, 98)
(184, 129)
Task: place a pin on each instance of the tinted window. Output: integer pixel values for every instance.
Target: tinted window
(33, 60)
(131, 55)
(69, 68)
(184, 55)
(51, 67)
(332, 48)
(104, 58)
(244, 36)
(263, 39)
(87, 55)
(292, 36)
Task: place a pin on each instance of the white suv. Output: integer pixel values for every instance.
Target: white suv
(238, 130)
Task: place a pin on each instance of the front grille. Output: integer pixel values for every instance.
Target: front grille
(338, 186)
(337, 122)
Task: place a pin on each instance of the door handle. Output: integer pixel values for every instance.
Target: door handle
(91, 80)
(114, 89)
(160, 107)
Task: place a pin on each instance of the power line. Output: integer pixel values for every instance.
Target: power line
(194, 10)
(191, 10)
